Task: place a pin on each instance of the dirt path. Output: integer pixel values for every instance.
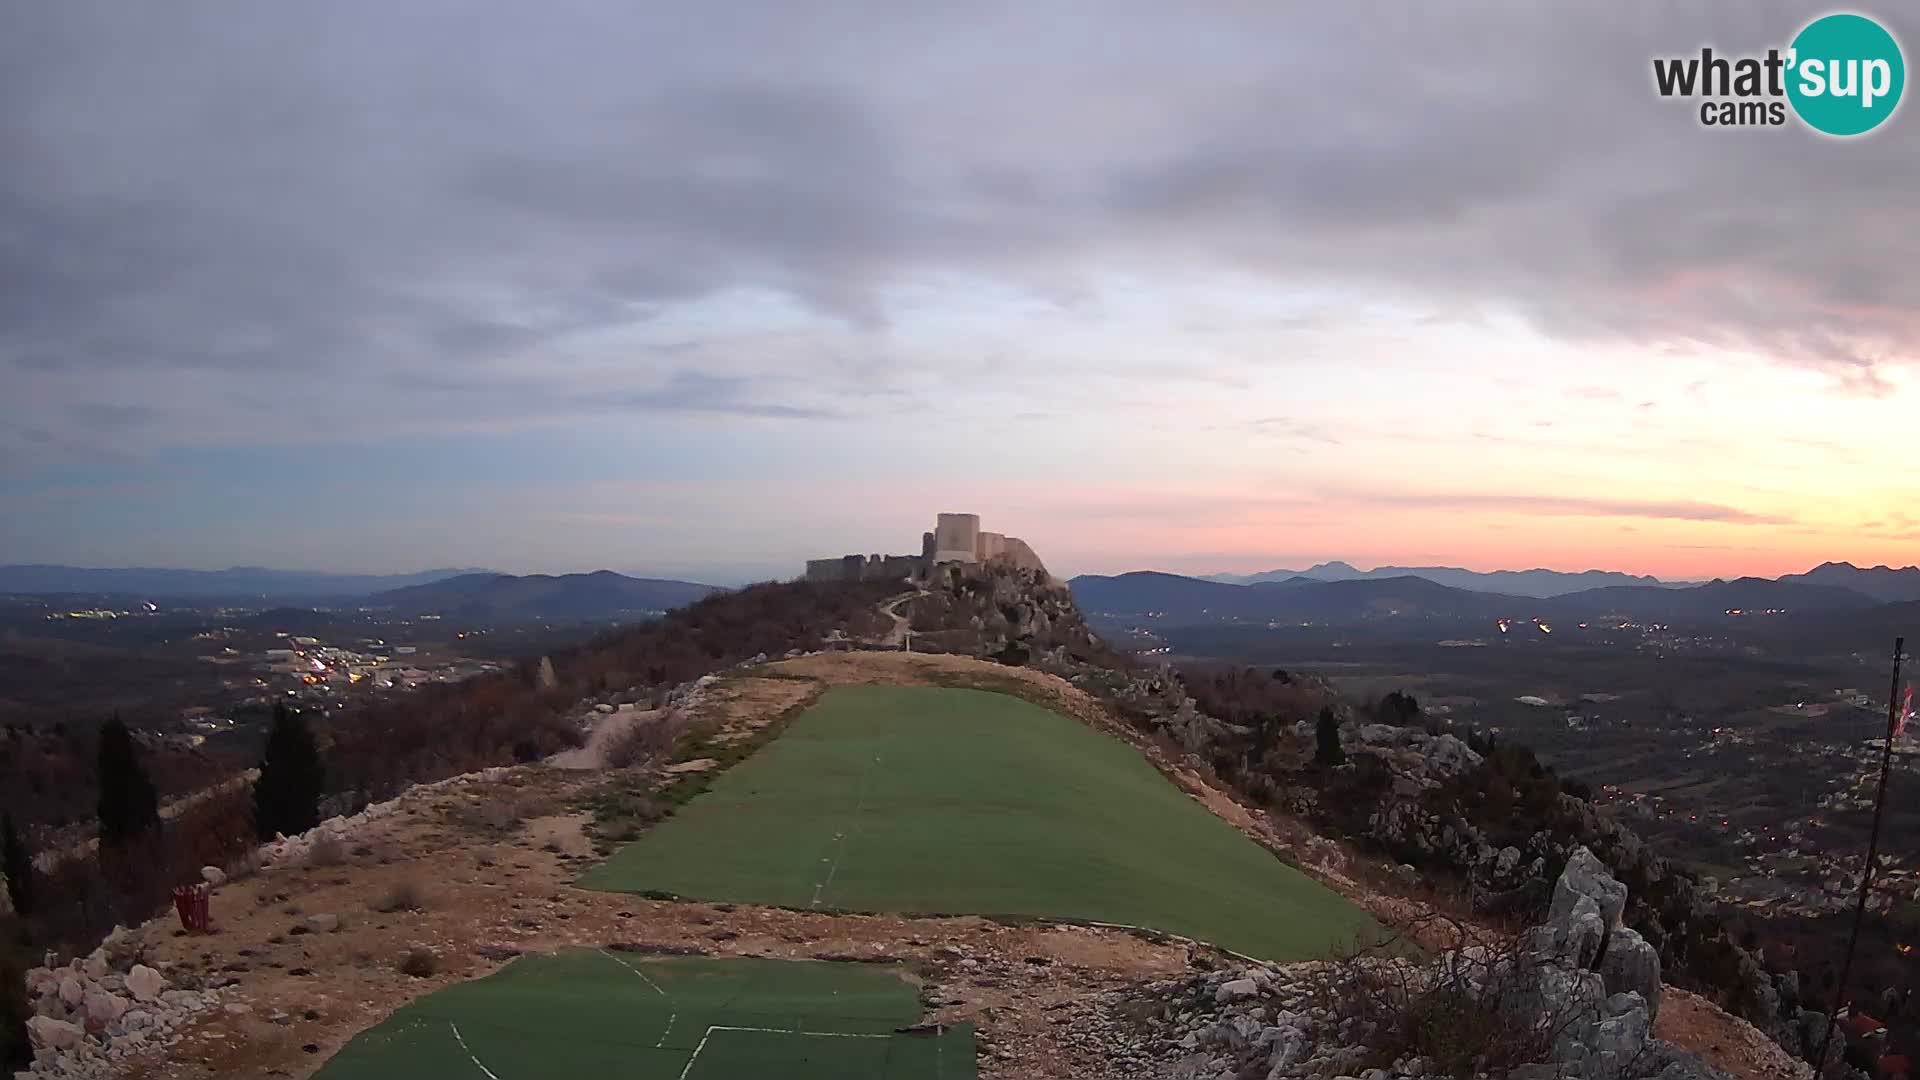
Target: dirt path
(607, 730)
(896, 637)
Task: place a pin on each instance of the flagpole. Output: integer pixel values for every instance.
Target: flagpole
(1873, 855)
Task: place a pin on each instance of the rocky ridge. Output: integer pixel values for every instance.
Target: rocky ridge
(93, 1012)
(1573, 999)
(1400, 791)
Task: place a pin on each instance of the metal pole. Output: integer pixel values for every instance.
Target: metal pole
(1873, 853)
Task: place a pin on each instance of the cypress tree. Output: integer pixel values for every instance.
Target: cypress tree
(18, 865)
(16, 1051)
(128, 804)
(286, 798)
(1327, 733)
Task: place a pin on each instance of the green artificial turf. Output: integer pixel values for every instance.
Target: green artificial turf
(917, 799)
(598, 1013)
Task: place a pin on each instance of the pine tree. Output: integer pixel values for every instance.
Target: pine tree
(128, 804)
(18, 865)
(286, 798)
(1327, 732)
(16, 1051)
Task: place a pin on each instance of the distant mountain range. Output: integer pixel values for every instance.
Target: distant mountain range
(1885, 584)
(1539, 583)
(1194, 600)
(235, 583)
(599, 595)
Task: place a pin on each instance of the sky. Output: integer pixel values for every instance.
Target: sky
(704, 290)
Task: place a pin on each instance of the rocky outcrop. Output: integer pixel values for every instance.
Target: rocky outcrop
(95, 1011)
(1573, 999)
(1405, 789)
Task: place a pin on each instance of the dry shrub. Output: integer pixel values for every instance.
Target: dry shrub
(643, 743)
(419, 963)
(499, 812)
(327, 850)
(499, 815)
(403, 895)
(1479, 1009)
(243, 866)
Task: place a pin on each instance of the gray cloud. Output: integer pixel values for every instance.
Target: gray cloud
(402, 196)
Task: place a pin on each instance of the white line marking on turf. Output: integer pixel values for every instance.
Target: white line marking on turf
(708, 1034)
(470, 1057)
(672, 1013)
(840, 838)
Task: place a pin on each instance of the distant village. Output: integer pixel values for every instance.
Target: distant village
(309, 671)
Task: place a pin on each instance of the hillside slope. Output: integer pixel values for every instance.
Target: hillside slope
(601, 594)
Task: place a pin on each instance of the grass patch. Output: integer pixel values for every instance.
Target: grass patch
(630, 803)
(925, 800)
(608, 1013)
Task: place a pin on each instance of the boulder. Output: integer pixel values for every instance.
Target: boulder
(1506, 861)
(213, 876)
(1287, 1046)
(1585, 875)
(144, 983)
(1577, 939)
(325, 923)
(96, 966)
(42, 982)
(104, 1008)
(1617, 1040)
(50, 1034)
(1236, 990)
(1632, 965)
(72, 991)
(1449, 756)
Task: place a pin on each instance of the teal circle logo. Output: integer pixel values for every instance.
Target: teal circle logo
(1846, 74)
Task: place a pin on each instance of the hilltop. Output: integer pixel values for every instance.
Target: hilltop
(1419, 822)
(598, 595)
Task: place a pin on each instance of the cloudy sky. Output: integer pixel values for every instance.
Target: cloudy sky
(706, 289)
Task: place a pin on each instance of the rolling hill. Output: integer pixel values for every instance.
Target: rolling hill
(1536, 583)
(1714, 598)
(1883, 583)
(1170, 596)
(599, 595)
(238, 581)
(1195, 600)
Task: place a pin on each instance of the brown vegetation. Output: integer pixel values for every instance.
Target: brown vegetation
(380, 746)
(403, 895)
(419, 963)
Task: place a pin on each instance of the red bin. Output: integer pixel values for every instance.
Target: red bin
(191, 902)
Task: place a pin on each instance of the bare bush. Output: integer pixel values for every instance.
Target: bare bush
(1487, 1006)
(419, 963)
(403, 895)
(243, 866)
(642, 743)
(501, 813)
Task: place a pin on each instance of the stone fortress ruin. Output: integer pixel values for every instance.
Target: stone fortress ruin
(956, 538)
